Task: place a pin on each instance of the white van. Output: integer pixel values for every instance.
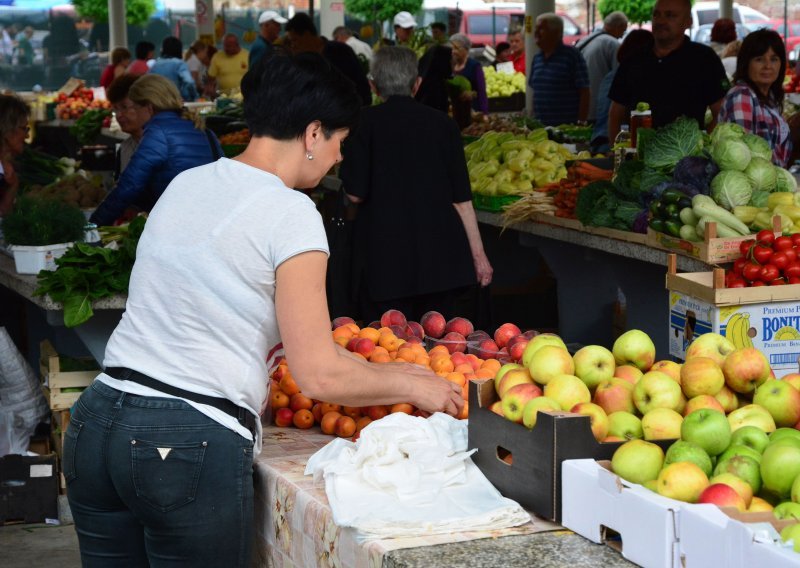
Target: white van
(704, 13)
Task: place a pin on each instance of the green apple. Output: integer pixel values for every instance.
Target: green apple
(656, 390)
(795, 492)
(636, 348)
(711, 345)
(682, 451)
(662, 424)
(751, 415)
(785, 441)
(548, 362)
(538, 342)
(781, 400)
(787, 510)
(652, 485)
(744, 467)
(531, 410)
(750, 436)
(792, 532)
(503, 370)
(707, 428)
(739, 450)
(625, 425)
(783, 433)
(637, 461)
(567, 391)
(593, 365)
(684, 481)
(780, 466)
(613, 395)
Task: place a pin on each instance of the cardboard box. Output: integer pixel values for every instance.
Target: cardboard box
(710, 536)
(533, 478)
(767, 318)
(60, 387)
(28, 489)
(596, 502)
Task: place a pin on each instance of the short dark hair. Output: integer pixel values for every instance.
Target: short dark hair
(439, 26)
(754, 45)
(305, 87)
(172, 47)
(300, 24)
(501, 47)
(143, 49)
(119, 87)
(634, 41)
(723, 31)
(119, 55)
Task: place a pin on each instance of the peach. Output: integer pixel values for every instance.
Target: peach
(351, 343)
(459, 325)
(415, 340)
(504, 333)
(488, 348)
(283, 417)
(328, 422)
(278, 399)
(393, 317)
(477, 336)
(303, 419)
(433, 323)
(364, 346)
(299, 401)
(399, 331)
(402, 407)
(516, 347)
(340, 321)
(415, 329)
(454, 341)
(375, 324)
(345, 427)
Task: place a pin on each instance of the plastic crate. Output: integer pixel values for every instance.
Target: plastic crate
(513, 103)
(493, 203)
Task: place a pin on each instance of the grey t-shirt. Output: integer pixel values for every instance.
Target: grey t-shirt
(599, 50)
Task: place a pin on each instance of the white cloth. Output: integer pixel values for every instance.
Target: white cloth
(201, 303)
(410, 476)
(360, 47)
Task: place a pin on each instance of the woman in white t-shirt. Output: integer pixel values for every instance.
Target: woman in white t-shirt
(197, 60)
(230, 268)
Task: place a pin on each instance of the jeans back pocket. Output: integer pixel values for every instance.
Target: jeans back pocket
(70, 447)
(165, 475)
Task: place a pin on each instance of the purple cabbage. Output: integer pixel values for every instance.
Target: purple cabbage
(697, 172)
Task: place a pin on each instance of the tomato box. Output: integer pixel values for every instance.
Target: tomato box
(28, 489)
(766, 317)
(62, 388)
(604, 508)
(525, 465)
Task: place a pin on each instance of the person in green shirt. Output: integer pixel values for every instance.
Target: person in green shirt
(24, 47)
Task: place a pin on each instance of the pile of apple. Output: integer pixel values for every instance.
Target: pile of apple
(394, 338)
(73, 106)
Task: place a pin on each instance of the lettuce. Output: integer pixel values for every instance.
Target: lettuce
(731, 154)
(761, 173)
(727, 131)
(759, 147)
(730, 188)
(784, 180)
(671, 143)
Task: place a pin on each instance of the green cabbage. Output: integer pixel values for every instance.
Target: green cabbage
(759, 199)
(731, 154)
(671, 143)
(761, 173)
(730, 188)
(725, 131)
(784, 180)
(759, 147)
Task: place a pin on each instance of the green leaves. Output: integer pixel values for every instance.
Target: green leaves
(372, 10)
(137, 12)
(638, 11)
(37, 222)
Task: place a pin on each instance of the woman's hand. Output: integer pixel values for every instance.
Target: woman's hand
(467, 95)
(433, 393)
(483, 269)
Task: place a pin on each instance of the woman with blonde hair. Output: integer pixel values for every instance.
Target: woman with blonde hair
(13, 132)
(120, 58)
(171, 144)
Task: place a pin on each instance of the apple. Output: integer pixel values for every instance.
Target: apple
(787, 510)
(513, 378)
(752, 437)
(784, 433)
(393, 317)
(703, 401)
(711, 345)
(531, 410)
(795, 491)
(340, 321)
(459, 325)
(728, 399)
(593, 365)
(701, 375)
(628, 373)
(780, 466)
(792, 532)
(625, 425)
(743, 467)
(516, 347)
(722, 495)
(781, 400)
(516, 398)
(497, 407)
(284, 416)
(567, 391)
(745, 369)
(613, 395)
(637, 461)
(505, 332)
(709, 429)
(751, 415)
(683, 481)
(597, 416)
(739, 450)
(548, 362)
(662, 424)
(738, 484)
(759, 505)
(433, 323)
(538, 342)
(670, 368)
(681, 451)
(636, 348)
(793, 379)
(502, 373)
(656, 390)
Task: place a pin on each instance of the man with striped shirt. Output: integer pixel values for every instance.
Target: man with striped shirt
(559, 78)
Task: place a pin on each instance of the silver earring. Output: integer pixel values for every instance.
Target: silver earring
(309, 156)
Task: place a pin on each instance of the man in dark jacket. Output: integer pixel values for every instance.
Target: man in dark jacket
(302, 36)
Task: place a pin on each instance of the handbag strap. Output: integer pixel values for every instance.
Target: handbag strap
(214, 151)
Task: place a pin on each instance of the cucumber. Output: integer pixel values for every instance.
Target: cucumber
(688, 217)
(657, 225)
(673, 228)
(689, 233)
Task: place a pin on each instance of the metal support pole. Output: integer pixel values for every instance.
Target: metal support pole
(533, 8)
(117, 27)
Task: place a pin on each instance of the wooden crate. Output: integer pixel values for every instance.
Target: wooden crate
(574, 224)
(59, 386)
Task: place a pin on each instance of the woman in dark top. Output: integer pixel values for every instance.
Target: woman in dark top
(464, 65)
(435, 68)
(13, 132)
(417, 239)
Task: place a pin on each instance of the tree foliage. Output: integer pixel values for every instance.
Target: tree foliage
(137, 12)
(381, 10)
(638, 11)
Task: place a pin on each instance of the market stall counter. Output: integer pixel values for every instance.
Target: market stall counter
(295, 528)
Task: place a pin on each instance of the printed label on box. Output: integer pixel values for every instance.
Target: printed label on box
(41, 470)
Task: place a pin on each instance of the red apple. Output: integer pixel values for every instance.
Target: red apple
(434, 324)
(516, 398)
(505, 332)
(614, 395)
(722, 495)
(283, 417)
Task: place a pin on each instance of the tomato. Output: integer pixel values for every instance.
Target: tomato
(796, 239)
(768, 273)
(738, 265)
(736, 282)
(778, 282)
(744, 246)
(794, 280)
(793, 270)
(791, 253)
(782, 243)
(751, 271)
(765, 237)
(757, 283)
(761, 254)
(780, 260)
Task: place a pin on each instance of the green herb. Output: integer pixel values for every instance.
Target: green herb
(37, 222)
(86, 273)
(87, 128)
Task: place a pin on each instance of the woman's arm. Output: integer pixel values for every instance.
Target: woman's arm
(323, 372)
(9, 184)
(483, 269)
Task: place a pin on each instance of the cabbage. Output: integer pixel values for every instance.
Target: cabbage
(759, 147)
(697, 171)
(730, 154)
(725, 131)
(759, 199)
(761, 173)
(671, 143)
(784, 180)
(731, 188)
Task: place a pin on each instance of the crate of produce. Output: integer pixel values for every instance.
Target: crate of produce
(493, 203)
(28, 489)
(603, 508)
(65, 378)
(525, 465)
(511, 103)
(712, 249)
(766, 317)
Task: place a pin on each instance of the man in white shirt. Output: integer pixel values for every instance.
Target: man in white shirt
(361, 48)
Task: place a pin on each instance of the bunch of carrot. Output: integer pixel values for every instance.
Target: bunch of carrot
(565, 191)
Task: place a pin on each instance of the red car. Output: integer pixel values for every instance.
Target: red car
(792, 38)
(478, 27)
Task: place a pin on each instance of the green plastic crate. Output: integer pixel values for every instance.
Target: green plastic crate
(493, 203)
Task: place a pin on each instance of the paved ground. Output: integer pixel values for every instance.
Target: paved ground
(42, 546)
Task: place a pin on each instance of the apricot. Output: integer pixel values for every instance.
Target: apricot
(402, 407)
(441, 364)
(288, 385)
(484, 373)
(362, 422)
(370, 333)
(464, 413)
(343, 341)
(463, 368)
(299, 401)
(492, 365)
(474, 361)
(353, 327)
(389, 341)
(457, 378)
(327, 407)
(343, 331)
(328, 422)
(353, 412)
(278, 399)
(380, 358)
(316, 410)
(465, 390)
(303, 419)
(345, 427)
(439, 349)
(406, 354)
(423, 360)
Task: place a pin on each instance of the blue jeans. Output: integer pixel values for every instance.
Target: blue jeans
(153, 482)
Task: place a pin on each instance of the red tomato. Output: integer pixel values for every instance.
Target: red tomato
(793, 270)
(791, 253)
(782, 243)
(768, 273)
(780, 260)
(757, 283)
(796, 239)
(778, 282)
(738, 265)
(761, 254)
(751, 271)
(736, 282)
(765, 237)
(794, 280)
(744, 246)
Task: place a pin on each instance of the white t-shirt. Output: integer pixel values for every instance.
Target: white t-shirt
(201, 304)
(360, 47)
(194, 63)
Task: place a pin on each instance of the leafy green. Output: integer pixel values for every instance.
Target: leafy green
(137, 12)
(86, 273)
(759, 147)
(731, 154)
(599, 205)
(638, 11)
(671, 143)
(730, 188)
(650, 178)
(629, 179)
(784, 180)
(37, 222)
(762, 174)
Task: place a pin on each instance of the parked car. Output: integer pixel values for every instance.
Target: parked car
(703, 33)
(706, 13)
(477, 25)
(790, 34)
